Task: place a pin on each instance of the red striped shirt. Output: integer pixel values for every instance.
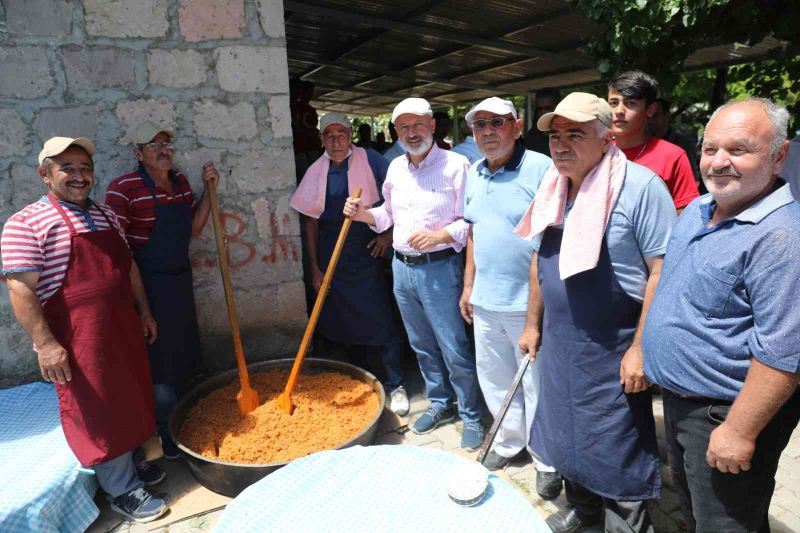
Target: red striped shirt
(132, 201)
(36, 239)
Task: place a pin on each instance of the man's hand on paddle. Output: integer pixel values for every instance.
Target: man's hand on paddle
(529, 342)
(54, 362)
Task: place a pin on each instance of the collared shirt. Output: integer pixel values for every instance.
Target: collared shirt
(791, 168)
(130, 198)
(469, 149)
(639, 227)
(428, 197)
(394, 151)
(728, 293)
(671, 163)
(36, 239)
(494, 203)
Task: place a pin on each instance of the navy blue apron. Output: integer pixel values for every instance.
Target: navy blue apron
(167, 275)
(585, 424)
(358, 309)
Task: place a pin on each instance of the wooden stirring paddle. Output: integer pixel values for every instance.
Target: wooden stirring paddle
(285, 399)
(247, 398)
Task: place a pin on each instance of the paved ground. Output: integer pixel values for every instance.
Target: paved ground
(196, 509)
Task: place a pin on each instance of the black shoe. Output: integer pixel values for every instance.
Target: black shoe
(569, 521)
(149, 473)
(495, 461)
(548, 485)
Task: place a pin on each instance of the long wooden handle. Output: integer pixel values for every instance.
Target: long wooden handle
(224, 269)
(321, 295)
(501, 414)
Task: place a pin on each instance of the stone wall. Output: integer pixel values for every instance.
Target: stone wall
(216, 71)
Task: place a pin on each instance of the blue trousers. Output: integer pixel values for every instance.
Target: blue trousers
(427, 296)
(117, 476)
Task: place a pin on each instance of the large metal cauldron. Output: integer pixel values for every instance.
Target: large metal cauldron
(230, 479)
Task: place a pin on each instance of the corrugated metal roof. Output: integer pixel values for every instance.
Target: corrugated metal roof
(364, 56)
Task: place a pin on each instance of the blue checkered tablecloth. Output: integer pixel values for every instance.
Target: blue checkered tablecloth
(40, 487)
(377, 488)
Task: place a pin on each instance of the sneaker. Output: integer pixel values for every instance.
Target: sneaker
(169, 449)
(149, 473)
(472, 436)
(139, 505)
(495, 461)
(399, 401)
(432, 419)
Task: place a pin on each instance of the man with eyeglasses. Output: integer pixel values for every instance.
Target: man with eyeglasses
(159, 214)
(424, 202)
(499, 190)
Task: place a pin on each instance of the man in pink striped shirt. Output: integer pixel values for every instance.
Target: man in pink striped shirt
(424, 201)
(75, 289)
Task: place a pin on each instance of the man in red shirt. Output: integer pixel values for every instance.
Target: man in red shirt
(159, 214)
(632, 97)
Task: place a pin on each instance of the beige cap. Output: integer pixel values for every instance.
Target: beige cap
(147, 131)
(55, 145)
(495, 105)
(414, 106)
(334, 118)
(580, 107)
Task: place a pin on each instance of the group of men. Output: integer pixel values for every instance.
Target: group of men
(105, 293)
(577, 261)
(582, 262)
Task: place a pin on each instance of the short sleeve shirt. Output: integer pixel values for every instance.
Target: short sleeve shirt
(36, 239)
(494, 204)
(728, 293)
(671, 163)
(639, 228)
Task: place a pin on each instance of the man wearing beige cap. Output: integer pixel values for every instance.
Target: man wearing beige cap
(159, 214)
(499, 190)
(357, 320)
(424, 193)
(600, 225)
(75, 289)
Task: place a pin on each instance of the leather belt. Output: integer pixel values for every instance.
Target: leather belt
(421, 259)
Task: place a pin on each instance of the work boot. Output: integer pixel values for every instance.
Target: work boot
(432, 419)
(139, 505)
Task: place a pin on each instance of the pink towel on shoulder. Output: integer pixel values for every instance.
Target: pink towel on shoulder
(309, 198)
(588, 218)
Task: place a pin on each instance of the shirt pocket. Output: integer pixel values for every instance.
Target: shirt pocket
(710, 290)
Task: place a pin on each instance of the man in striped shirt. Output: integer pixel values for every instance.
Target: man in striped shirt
(424, 201)
(159, 214)
(75, 290)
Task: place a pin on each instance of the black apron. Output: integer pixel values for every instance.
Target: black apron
(167, 275)
(585, 424)
(358, 309)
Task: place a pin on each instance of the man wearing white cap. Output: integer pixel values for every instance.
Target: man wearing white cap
(499, 190)
(600, 225)
(357, 316)
(424, 201)
(75, 289)
(159, 214)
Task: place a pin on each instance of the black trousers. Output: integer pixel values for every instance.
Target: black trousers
(711, 500)
(618, 516)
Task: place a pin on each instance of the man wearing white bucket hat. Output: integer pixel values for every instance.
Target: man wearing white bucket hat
(499, 190)
(424, 201)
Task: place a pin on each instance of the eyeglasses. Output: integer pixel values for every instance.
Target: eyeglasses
(166, 145)
(495, 122)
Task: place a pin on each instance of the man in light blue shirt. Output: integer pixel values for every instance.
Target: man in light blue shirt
(498, 191)
(722, 336)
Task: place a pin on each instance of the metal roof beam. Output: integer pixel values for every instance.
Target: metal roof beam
(416, 29)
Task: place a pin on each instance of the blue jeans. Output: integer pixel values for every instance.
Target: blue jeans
(428, 296)
(117, 476)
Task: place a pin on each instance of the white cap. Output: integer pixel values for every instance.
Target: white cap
(147, 131)
(334, 118)
(495, 105)
(56, 145)
(413, 106)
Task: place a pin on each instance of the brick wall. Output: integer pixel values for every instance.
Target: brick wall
(216, 71)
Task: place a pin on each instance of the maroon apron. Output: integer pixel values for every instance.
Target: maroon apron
(107, 407)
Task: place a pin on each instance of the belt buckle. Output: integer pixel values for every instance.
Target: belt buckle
(411, 259)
